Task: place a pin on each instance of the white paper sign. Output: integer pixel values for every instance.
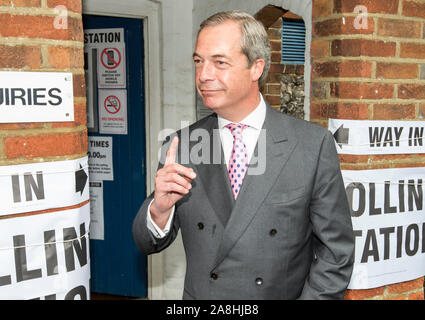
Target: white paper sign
(46, 256)
(111, 66)
(97, 231)
(388, 215)
(378, 137)
(36, 97)
(45, 185)
(113, 111)
(100, 156)
(96, 37)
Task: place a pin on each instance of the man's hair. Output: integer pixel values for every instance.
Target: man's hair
(254, 40)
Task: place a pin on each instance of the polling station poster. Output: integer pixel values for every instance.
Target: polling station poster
(364, 137)
(46, 256)
(388, 216)
(44, 185)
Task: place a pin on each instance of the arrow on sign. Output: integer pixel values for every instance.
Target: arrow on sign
(80, 180)
(341, 135)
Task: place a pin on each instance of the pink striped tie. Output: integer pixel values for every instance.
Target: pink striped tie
(238, 164)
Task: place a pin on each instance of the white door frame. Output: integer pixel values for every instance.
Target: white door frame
(149, 11)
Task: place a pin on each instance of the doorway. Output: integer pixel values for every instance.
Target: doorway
(114, 65)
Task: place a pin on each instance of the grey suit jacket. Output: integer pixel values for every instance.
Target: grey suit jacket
(287, 236)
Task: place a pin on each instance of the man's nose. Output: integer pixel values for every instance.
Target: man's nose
(206, 72)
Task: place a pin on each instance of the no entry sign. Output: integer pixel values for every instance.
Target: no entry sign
(111, 66)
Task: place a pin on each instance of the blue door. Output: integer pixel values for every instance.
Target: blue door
(117, 267)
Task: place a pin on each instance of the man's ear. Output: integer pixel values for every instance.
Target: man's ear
(257, 69)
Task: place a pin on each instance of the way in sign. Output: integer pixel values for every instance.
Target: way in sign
(390, 136)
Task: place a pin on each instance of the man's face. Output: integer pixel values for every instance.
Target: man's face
(223, 78)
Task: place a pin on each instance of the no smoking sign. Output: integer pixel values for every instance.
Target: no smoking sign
(113, 111)
(112, 104)
(111, 66)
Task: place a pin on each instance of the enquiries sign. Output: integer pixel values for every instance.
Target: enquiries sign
(36, 97)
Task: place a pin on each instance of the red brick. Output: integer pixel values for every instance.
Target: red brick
(276, 67)
(399, 28)
(20, 57)
(416, 296)
(361, 90)
(273, 77)
(276, 46)
(405, 286)
(321, 8)
(289, 68)
(337, 27)
(388, 157)
(350, 158)
(347, 69)
(274, 34)
(46, 145)
(373, 6)
(413, 9)
(20, 126)
(318, 89)
(27, 26)
(412, 50)
(79, 83)
(71, 5)
(291, 15)
(360, 47)
(80, 117)
(339, 110)
(20, 3)
(364, 294)
(393, 111)
(411, 91)
(273, 88)
(396, 70)
(273, 100)
(63, 58)
(319, 49)
(299, 69)
(398, 297)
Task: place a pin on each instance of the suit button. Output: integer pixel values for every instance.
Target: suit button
(200, 225)
(259, 281)
(214, 276)
(272, 232)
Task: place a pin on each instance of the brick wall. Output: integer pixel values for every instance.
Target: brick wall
(272, 88)
(29, 41)
(370, 73)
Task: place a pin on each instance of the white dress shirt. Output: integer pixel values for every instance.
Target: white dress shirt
(250, 136)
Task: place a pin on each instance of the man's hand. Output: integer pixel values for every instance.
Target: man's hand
(172, 182)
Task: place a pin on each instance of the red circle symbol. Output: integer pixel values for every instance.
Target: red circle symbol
(110, 58)
(112, 104)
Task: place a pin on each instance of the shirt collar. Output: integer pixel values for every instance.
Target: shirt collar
(255, 119)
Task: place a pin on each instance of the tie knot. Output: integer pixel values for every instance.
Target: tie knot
(236, 129)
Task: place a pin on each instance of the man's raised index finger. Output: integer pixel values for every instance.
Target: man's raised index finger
(172, 151)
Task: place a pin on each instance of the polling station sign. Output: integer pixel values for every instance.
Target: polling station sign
(364, 137)
(46, 185)
(48, 262)
(36, 97)
(388, 216)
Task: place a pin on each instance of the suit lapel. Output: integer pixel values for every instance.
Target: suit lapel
(214, 177)
(279, 143)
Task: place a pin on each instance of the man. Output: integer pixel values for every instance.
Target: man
(276, 230)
